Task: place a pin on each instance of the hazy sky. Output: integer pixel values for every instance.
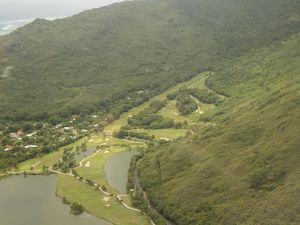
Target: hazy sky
(27, 9)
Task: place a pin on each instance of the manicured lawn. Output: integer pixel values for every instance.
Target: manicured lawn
(97, 203)
(110, 141)
(165, 133)
(117, 124)
(38, 163)
(95, 171)
(53, 157)
(170, 111)
(46, 160)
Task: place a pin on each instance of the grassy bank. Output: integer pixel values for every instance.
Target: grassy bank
(97, 203)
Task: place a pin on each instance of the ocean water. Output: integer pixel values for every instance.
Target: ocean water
(17, 13)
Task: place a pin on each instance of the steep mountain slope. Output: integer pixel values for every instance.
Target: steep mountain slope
(245, 169)
(100, 57)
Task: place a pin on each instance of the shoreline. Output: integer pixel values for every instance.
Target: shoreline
(12, 25)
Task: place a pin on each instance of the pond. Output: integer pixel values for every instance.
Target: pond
(32, 201)
(83, 154)
(116, 169)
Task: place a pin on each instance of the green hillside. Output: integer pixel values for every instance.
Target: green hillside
(101, 57)
(244, 170)
(211, 87)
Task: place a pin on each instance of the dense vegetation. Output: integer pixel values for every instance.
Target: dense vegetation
(187, 98)
(206, 96)
(240, 167)
(133, 134)
(76, 208)
(23, 140)
(243, 170)
(148, 119)
(186, 104)
(111, 58)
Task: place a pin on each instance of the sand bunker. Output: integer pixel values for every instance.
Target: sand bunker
(87, 164)
(106, 199)
(36, 164)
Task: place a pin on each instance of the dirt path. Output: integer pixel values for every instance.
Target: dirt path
(197, 81)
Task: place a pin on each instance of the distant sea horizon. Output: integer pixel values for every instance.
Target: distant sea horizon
(8, 26)
(17, 13)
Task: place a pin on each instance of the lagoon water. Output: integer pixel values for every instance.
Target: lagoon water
(116, 169)
(32, 201)
(17, 13)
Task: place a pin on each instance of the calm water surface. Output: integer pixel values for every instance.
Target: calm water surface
(81, 155)
(32, 201)
(116, 169)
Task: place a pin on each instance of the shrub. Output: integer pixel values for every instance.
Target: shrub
(258, 179)
(76, 208)
(206, 96)
(185, 104)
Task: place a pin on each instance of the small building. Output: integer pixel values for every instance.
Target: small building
(58, 126)
(31, 146)
(164, 139)
(31, 134)
(20, 133)
(68, 129)
(62, 138)
(13, 135)
(17, 135)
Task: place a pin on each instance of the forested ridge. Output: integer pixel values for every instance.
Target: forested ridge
(98, 58)
(243, 169)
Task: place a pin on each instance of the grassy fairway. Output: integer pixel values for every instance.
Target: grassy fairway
(117, 124)
(97, 203)
(53, 157)
(111, 141)
(198, 82)
(165, 133)
(95, 171)
(170, 111)
(46, 160)
(38, 163)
